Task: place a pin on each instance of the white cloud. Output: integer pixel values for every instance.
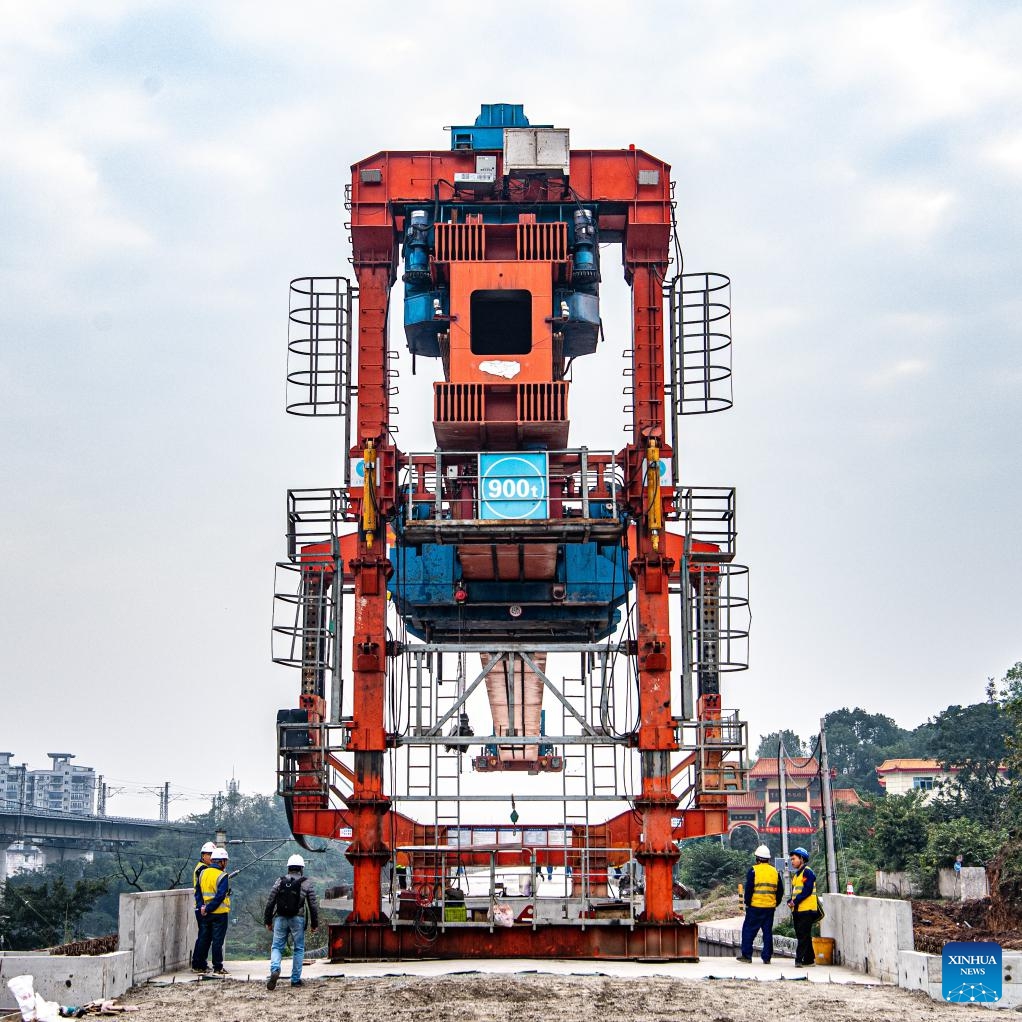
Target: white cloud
(904, 212)
(904, 369)
(920, 57)
(1005, 153)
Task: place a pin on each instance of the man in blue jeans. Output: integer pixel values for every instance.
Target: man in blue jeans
(764, 890)
(290, 897)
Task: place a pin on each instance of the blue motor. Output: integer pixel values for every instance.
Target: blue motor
(585, 267)
(426, 308)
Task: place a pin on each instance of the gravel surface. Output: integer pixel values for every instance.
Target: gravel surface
(537, 998)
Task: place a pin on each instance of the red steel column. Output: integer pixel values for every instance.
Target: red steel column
(368, 851)
(657, 851)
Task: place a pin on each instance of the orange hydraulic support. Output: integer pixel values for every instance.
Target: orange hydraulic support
(368, 804)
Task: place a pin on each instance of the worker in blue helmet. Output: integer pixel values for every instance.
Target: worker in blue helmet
(764, 891)
(805, 907)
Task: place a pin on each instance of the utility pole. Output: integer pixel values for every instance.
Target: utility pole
(784, 811)
(828, 813)
(165, 803)
(101, 797)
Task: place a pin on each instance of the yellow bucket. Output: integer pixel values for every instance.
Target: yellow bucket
(823, 949)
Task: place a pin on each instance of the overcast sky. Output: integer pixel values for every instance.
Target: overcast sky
(167, 168)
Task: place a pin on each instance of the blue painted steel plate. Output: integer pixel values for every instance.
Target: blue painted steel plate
(514, 485)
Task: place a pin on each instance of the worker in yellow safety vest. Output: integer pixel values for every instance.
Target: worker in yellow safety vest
(763, 892)
(205, 856)
(805, 907)
(213, 903)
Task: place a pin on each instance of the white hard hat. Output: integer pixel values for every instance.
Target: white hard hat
(208, 847)
(220, 853)
(296, 860)
(762, 852)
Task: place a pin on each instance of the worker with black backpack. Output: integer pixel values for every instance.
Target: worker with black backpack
(285, 913)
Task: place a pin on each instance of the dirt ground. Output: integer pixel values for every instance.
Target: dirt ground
(935, 923)
(536, 998)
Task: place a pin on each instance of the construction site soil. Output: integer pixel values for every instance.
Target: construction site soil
(539, 998)
(935, 923)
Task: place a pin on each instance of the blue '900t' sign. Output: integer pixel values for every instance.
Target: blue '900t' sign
(513, 485)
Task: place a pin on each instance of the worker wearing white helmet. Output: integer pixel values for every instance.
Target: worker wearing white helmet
(213, 902)
(764, 890)
(291, 898)
(205, 853)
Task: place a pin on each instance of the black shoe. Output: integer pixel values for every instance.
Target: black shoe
(272, 981)
(299, 983)
(806, 965)
(799, 965)
(766, 961)
(201, 971)
(742, 958)
(220, 972)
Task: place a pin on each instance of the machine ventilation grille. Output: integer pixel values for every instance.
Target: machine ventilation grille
(542, 242)
(459, 402)
(542, 402)
(460, 243)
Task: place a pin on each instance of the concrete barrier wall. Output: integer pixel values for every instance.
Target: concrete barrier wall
(972, 883)
(158, 928)
(897, 884)
(66, 979)
(155, 935)
(868, 932)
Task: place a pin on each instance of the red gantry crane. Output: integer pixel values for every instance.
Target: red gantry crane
(562, 613)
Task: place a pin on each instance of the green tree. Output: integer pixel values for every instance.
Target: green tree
(707, 864)
(901, 831)
(972, 741)
(793, 745)
(1011, 706)
(39, 915)
(857, 743)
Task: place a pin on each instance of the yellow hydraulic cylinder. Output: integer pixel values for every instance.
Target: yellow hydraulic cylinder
(654, 505)
(370, 521)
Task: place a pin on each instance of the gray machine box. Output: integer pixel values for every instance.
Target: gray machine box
(537, 150)
(485, 174)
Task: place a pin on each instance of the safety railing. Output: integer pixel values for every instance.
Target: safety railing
(447, 887)
(319, 380)
(458, 496)
(708, 516)
(717, 749)
(715, 608)
(305, 758)
(305, 617)
(315, 517)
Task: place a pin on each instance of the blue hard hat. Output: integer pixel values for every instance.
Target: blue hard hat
(801, 853)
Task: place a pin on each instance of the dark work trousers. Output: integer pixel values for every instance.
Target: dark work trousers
(212, 931)
(757, 919)
(803, 923)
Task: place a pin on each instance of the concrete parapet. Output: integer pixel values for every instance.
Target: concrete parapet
(970, 885)
(868, 932)
(158, 928)
(897, 884)
(66, 979)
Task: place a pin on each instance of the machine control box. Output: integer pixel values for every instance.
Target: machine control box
(536, 150)
(485, 174)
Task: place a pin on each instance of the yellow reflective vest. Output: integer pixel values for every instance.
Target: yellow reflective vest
(764, 888)
(208, 880)
(798, 880)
